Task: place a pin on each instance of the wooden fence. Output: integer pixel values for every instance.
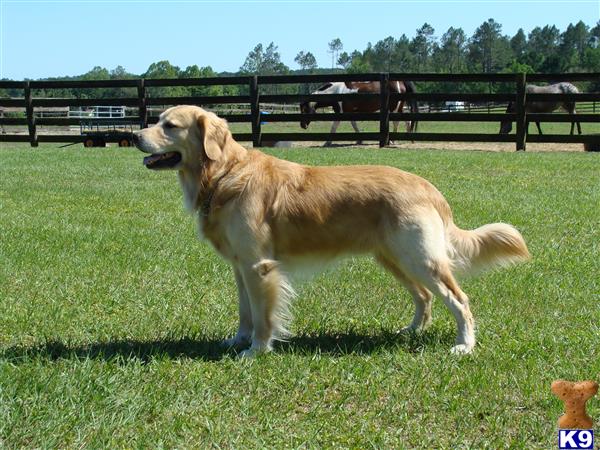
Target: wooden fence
(254, 99)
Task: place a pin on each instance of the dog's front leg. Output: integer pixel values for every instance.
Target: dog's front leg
(268, 293)
(243, 336)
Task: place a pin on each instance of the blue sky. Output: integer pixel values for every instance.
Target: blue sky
(42, 38)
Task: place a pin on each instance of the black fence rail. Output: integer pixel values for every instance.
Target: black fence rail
(254, 99)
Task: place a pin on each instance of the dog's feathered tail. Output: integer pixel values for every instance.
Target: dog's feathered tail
(492, 245)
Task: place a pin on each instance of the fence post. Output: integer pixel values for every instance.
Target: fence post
(142, 108)
(255, 111)
(33, 139)
(521, 116)
(384, 112)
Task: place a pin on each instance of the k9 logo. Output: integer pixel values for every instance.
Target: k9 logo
(575, 439)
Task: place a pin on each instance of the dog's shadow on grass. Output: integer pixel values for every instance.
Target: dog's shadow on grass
(210, 349)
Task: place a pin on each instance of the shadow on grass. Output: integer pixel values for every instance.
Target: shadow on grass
(210, 349)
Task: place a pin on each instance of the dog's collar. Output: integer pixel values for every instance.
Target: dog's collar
(205, 209)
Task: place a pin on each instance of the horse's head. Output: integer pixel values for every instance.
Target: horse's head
(306, 108)
(506, 125)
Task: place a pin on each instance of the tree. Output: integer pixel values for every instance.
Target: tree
(517, 67)
(518, 44)
(384, 53)
(97, 73)
(422, 46)
(489, 51)
(542, 48)
(595, 35)
(306, 61)
(164, 69)
(358, 63)
(264, 61)
(201, 72)
(591, 62)
(574, 41)
(335, 46)
(119, 73)
(404, 60)
(450, 55)
(254, 60)
(344, 60)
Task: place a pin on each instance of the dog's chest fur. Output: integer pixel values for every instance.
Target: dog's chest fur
(191, 190)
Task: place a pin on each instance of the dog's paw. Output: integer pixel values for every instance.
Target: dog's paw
(462, 349)
(236, 342)
(253, 352)
(247, 354)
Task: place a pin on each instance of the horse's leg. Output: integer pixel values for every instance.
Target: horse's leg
(337, 108)
(538, 127)
(408, 124)
(334, 127)
(574, 112)
(355, 126)
(396, 123)
(399, 109)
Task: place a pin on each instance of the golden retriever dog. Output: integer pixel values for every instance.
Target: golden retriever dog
(267, 217)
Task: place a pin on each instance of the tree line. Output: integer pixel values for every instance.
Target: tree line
(542, 50)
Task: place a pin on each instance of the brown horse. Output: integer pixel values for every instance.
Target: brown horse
(360, 105)
(544, 106)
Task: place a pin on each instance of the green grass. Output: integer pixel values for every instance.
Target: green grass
(429, 127)
(111, 311)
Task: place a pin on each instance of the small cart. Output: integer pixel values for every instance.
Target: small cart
(98, 133)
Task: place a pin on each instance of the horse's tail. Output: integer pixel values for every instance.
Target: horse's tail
(414, 105)
(564, 87)
(571, 88)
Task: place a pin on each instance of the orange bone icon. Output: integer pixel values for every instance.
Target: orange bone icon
(574, 396)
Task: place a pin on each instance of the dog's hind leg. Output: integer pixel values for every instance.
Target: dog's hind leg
(269, 295)
(420, 251)
(421, 296)
(244, 334)
(442, 283)
(438, 278)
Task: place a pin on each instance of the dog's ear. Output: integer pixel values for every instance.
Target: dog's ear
(213, 134)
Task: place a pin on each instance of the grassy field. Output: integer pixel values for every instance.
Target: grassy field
(429, 127)
(372, 126)
(111, 312)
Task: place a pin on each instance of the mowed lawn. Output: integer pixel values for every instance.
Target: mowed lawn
(423, 126)
(111, 312)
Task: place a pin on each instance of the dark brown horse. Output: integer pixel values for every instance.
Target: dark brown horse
(360, 105)
(544, 106)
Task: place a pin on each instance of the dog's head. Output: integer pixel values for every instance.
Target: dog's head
(184, 137)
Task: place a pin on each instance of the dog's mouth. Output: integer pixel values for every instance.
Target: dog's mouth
(162, 160)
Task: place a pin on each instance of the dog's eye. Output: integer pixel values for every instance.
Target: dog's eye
(170, 125)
